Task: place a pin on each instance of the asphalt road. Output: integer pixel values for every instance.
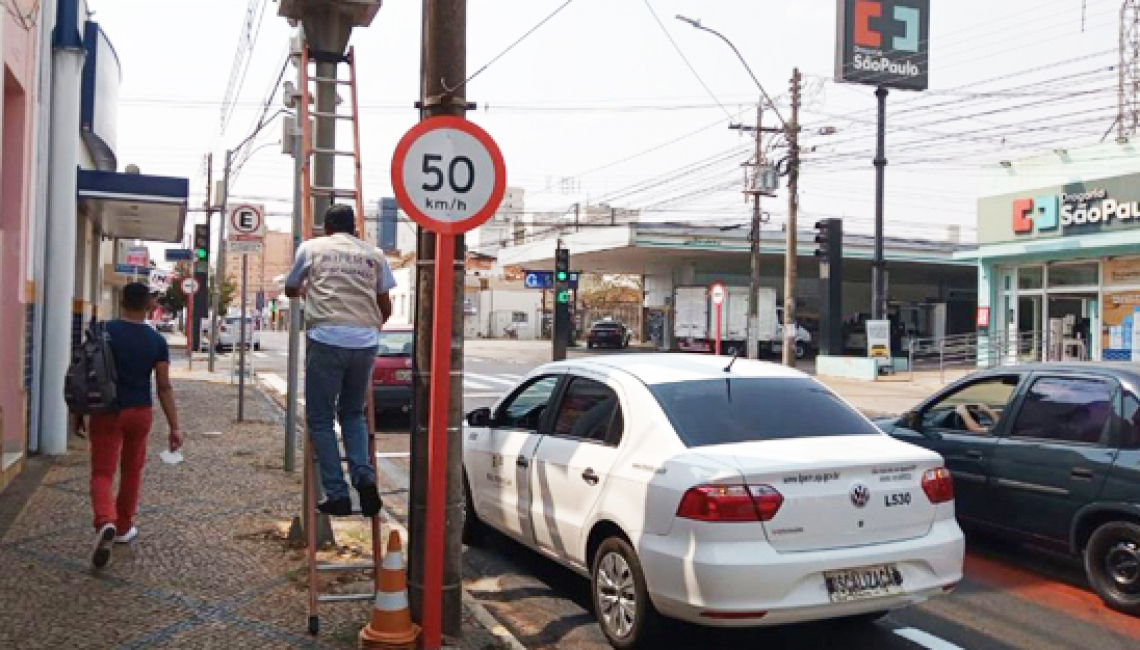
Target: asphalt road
(1012, 597)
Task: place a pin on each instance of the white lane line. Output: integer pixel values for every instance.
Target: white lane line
(925, 639)
(482, 395)
(275, 382)
(261, 355)
(393, 454)
(497, 380)
(467, 383)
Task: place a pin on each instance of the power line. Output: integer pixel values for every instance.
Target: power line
(686, 59)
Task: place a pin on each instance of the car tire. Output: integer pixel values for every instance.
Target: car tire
(1112, 563)
(474, 531)
(626, 625)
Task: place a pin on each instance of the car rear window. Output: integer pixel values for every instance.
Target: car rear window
(396, 344)
(724, 411)
(606, 326)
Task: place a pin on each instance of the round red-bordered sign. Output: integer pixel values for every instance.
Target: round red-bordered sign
(717, 293)
(448, 175)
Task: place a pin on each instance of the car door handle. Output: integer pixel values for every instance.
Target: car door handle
(590, 477)
(1081, 473)
(976, 455)
(522, 462)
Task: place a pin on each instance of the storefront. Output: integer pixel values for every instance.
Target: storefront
(1059, 271)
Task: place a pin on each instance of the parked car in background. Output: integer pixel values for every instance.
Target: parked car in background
(723, 493)
(229, 334)
(164, 325)
(1048, 454)
(608, 333)
(392, 370)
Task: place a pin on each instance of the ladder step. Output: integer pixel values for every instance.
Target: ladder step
(348, 566)
(335, 116)
(343, 598)
(334, 192)
(330, 80)
(334, 152)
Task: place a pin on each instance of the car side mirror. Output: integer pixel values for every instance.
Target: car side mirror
(479, 417)
(912, 420)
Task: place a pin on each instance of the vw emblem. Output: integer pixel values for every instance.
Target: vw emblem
(860, 495)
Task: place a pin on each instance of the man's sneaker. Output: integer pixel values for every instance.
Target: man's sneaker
(127, 537)
(104, 539)
(341, 507)
(369, 498)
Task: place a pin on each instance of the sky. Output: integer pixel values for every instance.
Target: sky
(600, 103)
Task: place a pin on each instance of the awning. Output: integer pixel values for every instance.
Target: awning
(135, 206)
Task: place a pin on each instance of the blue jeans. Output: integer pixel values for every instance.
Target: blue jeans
(337, 381)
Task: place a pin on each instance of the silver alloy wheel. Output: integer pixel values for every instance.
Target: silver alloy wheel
(1123, 564)
(617, 595)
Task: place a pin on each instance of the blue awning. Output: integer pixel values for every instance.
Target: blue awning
(135, 206)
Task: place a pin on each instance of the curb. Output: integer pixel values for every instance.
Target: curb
(482, 616)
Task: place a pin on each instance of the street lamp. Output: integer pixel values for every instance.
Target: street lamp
(791, 131)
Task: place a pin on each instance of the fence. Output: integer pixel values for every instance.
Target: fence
(970, 351)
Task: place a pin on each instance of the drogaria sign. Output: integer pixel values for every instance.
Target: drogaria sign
(1067, 210)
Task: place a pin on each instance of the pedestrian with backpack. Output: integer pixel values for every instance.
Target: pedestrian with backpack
(116, 393)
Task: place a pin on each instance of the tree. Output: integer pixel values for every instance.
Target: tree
(597, 290)
(229, 290)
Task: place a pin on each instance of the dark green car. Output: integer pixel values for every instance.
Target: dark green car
(1047, 453)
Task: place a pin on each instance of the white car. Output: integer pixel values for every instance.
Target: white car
(229, 336)
(748, 495)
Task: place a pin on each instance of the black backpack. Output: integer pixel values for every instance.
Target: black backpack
(91, 385)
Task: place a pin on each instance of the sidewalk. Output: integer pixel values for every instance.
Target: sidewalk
(211, 567)
(891, 395)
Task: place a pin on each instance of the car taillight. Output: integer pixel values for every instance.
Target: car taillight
(730, 503)
(938, 485)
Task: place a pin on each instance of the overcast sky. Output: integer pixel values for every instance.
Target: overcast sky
(598, 105)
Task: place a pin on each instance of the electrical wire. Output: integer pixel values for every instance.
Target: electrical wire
(684, 58)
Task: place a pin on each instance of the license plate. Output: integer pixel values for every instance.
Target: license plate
(403, 375)
(862, 583)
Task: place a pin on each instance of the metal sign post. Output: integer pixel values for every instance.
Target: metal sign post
(246, 234)
(449, 176)
(189, 287)
(717, 293)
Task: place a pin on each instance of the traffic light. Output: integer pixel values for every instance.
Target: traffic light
(562, 265)
(202, 243)
(563, 296)
(829, 239)
(824, 238)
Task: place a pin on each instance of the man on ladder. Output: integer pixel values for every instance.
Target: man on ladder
(346, 283)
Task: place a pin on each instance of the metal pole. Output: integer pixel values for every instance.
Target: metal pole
(241, 337)
(444, 67)
(752, 346)
(790, 253)
(294, 307)
(878, 271)
(220, 273)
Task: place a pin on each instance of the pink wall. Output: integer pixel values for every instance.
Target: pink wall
(19, 56)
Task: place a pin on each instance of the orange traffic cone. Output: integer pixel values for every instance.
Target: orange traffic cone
(391, 627)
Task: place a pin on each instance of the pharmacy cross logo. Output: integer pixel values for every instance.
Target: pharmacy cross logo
(1067, 210)
(866, 34)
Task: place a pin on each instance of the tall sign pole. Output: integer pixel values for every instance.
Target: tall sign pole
(717, 293)
(246, 227)
(886, 44)
(449, 176)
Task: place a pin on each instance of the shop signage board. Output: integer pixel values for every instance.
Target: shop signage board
(179, 255)
(137, 256)
(1080, 208)
(879, 339)
(983, 317)
(884, 43)
(160, 280)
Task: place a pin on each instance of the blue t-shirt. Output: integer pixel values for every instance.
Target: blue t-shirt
(138, 349)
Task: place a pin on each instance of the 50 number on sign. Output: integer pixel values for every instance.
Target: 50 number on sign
(452, 175)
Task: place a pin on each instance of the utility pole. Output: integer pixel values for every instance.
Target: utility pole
(443, 92)
(879, 265)
(294, 371)
(753, 342)
(220, 273)
(791, 252)
(1128, 119)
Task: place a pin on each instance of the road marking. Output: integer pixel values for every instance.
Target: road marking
(925, 639)
(467, 383)
(393, 454)
(260, 355)
(482, 395)
(505, 382)
(514, 378)
(275, 382)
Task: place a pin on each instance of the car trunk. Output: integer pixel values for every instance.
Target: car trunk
(818, 479)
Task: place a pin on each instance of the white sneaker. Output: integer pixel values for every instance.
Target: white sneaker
(104, 540)
(127, 537)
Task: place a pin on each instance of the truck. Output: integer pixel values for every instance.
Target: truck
(694, 319)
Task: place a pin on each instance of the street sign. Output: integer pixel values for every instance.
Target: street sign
(246, 223)
(717, 293)
(131, 269)
(159, 280)
(245, 247)
(137, 256)
(545, 279)
(448, 175)
(179, 255)
(189, 286)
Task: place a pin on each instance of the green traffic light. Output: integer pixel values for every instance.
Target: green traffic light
(561, 276)
(563, 296)
(200, 253)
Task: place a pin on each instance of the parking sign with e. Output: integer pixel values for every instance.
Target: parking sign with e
(247, 223)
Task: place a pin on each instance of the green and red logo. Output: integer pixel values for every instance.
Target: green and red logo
(1050, 213)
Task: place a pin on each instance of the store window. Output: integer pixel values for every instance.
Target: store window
(1031, 277)
(1074, 275)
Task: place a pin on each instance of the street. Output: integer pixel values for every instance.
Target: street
(1012, 597)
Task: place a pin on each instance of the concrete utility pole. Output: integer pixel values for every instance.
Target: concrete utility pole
(444, 69)
(294, 370)
(791, 252)
(1128, 119)
(753, 342)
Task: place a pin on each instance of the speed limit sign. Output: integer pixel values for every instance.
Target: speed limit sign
(189, 286)
(448, 175)
(717, 293)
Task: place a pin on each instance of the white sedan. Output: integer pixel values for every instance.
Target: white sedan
(748, 495)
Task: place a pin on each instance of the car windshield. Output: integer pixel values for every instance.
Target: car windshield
(396, 344)
(724, 411)
(602, 327)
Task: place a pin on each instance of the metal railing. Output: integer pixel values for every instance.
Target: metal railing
(974, 351)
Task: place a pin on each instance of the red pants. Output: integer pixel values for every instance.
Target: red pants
(118, 440)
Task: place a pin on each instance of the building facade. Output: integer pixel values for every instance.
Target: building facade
(266, 269)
